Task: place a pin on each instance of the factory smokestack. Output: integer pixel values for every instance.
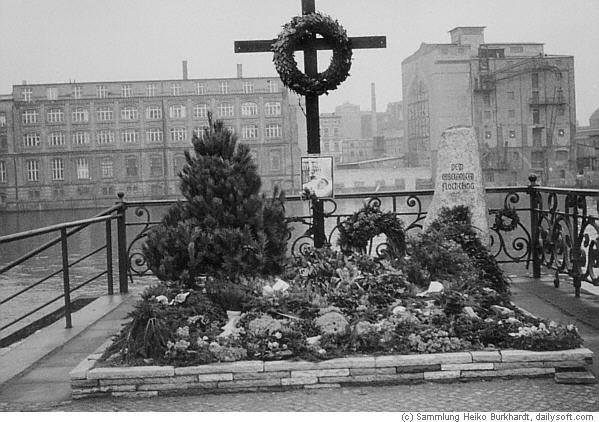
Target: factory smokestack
(373, 110)
(184, 70)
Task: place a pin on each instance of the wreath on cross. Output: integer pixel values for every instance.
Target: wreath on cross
(297, 31)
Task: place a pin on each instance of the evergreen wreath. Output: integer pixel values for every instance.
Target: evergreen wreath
(501, 225)
(293, 34)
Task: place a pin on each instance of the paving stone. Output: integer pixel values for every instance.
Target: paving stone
(111, 388)
(80, 371)
(567, 364)
(261, 375)
(467, 366)
(131, 372)
(575, 378)
(559, 355)
(486, 356)
(515, 365)
(320, 373)
(418, 368)
(249, 383)
(235, 367)
(440, 375)
(134, 394)
(84, 383)
(299, 381)
(215, 377)
(526, 371)
(162, 387)
(350, 362)
(424, 359)
(479, 374)
(372, 371)
(282, 365)
(319, 386)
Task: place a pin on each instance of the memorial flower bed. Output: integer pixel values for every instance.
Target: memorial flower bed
(230, 294)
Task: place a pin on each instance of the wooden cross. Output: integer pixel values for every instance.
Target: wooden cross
(310, 48)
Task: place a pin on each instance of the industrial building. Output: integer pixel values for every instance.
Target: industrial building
(520, 101)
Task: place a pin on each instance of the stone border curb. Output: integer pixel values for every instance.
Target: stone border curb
(87, 380)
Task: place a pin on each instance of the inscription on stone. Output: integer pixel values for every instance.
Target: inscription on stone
(457, 179)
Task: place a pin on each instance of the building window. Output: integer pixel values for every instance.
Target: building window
(249, 109)
(178, 134)
(178, 163)
(562, 174)
(105, 137)
(200, 88)
(77, 90)
(176, 89)
(561, 155)
(561, 132)
(55, 115)
(80, 138)
(126, 90)
(131, 189)
(200, 110)
(487, 115)
(154, 134)
(2, 119)
(176, 111)
(225, 109)
(198, 131)
(512, 133)
(26, 94)
(31, 140)
(129, 113)
(107, 190)
(537, 159)
(154, 113)
(80, 115)
(511, 96)
(156, 166)
(56, 139)
(275, 161)
(129, 136)
(57, 169)
(52, 93)
(131, 166)
(2, 172)
(273, 130)
(272, 109)
(535, 80)
(101, 91)
(29, 117)
(488, 134)
(517, 49)
(248, 87)
(511, 114)
(223, 87)
(487, 100)
(106, 168)
(82, 166)
(104, 114)
(33, 170)
(273, 86)
(515, 156)
(535, 116)
(151, 90)
(249, 132)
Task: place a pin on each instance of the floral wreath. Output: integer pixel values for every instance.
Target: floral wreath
(500, 224)
(293, 34)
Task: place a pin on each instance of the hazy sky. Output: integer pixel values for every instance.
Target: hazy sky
(44, 41)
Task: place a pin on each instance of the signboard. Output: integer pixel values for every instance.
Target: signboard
(317, 176)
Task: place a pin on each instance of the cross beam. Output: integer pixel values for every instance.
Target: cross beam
(263, 46)
(310, 47)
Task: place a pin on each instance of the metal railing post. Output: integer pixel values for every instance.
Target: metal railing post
(534, 226)
(576, 255)
(122, 244)
(109, 270)
(65, 277)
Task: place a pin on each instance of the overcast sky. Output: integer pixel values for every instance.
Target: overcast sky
(43, 41)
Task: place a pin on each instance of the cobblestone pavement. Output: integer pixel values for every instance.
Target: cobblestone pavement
(498, 395)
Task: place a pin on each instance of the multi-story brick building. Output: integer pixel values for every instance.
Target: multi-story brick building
(84, 141)
(520, 101)
(587, 153)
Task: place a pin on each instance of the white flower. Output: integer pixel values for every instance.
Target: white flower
(162, 299)
(553, 324)
(278, 335)
(275, 344)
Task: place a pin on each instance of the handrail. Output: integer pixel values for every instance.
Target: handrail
(55, 241)
(56, 227)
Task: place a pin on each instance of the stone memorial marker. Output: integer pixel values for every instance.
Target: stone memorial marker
(459, 179)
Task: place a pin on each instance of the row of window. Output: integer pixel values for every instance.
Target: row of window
(131, 113)
(512, 133)
(151, 90)
(131, 136)
(82, 167)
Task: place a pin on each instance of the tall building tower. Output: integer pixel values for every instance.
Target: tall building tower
(86, 141)
(520, 101)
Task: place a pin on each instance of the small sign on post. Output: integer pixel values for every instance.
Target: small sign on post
(317, 176)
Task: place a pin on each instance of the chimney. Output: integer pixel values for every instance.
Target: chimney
(184, 70)
(373, 110)
(239, 71)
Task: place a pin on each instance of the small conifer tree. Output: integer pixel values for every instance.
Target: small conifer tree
(226, 227)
